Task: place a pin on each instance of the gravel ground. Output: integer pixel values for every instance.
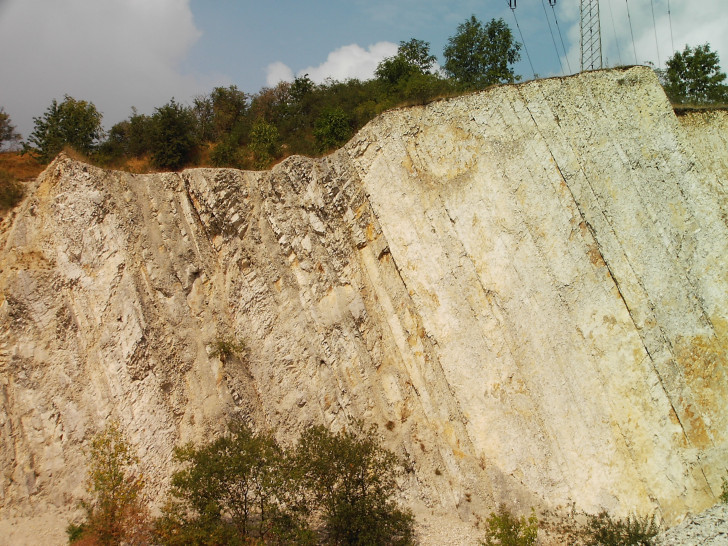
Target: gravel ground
(709, 528)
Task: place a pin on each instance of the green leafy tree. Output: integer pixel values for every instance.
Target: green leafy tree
(482, 55)
(7, 129)
(129, 138)
(229, 105)
(204, 116)
(74, 123)
(417, 52)
(413, 57)
(231, 491)
(331, 129)
(264, 143)
(694, 76)
(115, 514)
(505, 529)
(353, 481)
(301, 88)
(227, 153)
(173, 136)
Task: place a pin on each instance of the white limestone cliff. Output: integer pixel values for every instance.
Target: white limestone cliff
(526, 288)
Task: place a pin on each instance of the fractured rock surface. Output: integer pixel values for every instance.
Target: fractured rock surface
(526, 288)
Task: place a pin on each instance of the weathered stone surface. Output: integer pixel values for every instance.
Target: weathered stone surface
(709, 528)
(527, 284)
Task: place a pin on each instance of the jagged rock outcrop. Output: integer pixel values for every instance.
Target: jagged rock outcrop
(525, 288)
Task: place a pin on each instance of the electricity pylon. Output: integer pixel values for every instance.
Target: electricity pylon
(591, 36)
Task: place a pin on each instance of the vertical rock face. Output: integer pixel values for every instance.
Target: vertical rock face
(525, 288)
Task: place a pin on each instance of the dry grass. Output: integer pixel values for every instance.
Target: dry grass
(20, 167)
(683, 109)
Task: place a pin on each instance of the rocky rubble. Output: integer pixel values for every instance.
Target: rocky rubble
(709, 528)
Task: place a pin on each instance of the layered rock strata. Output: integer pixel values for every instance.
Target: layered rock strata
(526, 288)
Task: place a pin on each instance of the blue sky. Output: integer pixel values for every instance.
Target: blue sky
(124, 53)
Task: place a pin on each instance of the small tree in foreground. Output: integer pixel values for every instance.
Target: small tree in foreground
(231, 491)
(604, 530)
(505, 529)
(115, 514)
(353, 480)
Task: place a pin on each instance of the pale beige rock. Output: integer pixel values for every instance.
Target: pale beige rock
(528, 283)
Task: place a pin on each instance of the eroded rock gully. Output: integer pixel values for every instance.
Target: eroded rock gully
(528, 283)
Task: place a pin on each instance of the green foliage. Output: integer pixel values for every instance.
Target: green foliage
(604, 530)
(7, 129)
(224, 348)
(115, 514)
(412, 58)
(264, 143)
(226, 153)
(11, 192)
(480, 55)
(75, 532)
(218, 114)
(394, 69)
(505, 529)
(724, 491)
(229, 105)
(74, 123)
(331, 129)
(131, 138)
(694, 76)
(352, 480)
(417, 53)
(173, 136)
(229, 491)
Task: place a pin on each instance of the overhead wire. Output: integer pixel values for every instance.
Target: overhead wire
(669, 18)
(654, 26)
(512, 5)
(560, 37)
(553, 38)
(631, 32)
(614, 29)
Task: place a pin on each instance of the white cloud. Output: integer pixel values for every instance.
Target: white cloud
(114, 53)
(347, 62)
(278, 72)
(351, 61)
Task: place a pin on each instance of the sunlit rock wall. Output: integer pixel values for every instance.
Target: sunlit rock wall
(525, 288)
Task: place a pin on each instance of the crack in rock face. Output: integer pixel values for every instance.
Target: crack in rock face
(525, 288)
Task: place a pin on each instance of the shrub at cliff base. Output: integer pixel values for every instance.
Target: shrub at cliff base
(352, 481)
(115, 514)
(231, 491)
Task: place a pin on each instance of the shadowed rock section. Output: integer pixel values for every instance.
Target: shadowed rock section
(525, 288)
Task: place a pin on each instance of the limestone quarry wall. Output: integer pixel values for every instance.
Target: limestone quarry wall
(526, 288)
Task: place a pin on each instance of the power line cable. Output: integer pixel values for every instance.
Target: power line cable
(614, 29)
(553, 38)
(560, 37)
(654, 26)
(669, 18)
(631, 32)
(512, 5)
